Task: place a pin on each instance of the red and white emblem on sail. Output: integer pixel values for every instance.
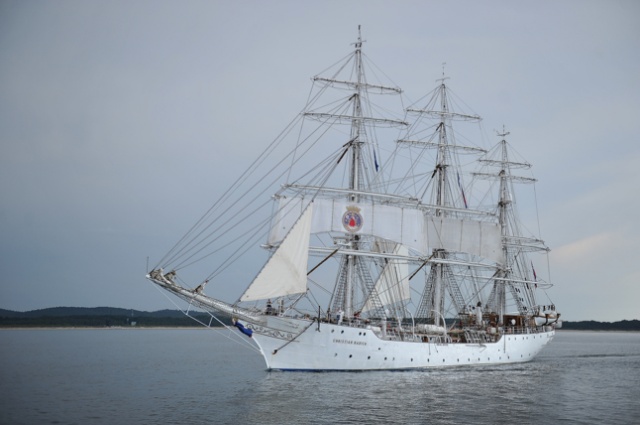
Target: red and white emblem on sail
(352, 220)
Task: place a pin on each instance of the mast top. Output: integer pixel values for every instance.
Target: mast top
(444, 77)
(504, 132)
(358, 43)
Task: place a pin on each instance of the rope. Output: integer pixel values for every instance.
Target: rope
(293, 339)
(231, 334)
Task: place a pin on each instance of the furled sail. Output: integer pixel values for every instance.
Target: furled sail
(286, 271)
(393, 284)
(409, 226)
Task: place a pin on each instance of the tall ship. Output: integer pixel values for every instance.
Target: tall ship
(376, 240)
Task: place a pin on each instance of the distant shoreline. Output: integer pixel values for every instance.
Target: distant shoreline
(198, 328)
(105, 318)
(104, 328)
(108, 318)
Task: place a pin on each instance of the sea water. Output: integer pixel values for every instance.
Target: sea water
(137, 376)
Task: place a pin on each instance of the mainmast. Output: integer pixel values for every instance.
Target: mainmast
(446, 148)
(444, 197)
(441, 200)
(443, 152)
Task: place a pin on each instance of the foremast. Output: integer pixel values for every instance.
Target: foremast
(353, 271)
(354, 179)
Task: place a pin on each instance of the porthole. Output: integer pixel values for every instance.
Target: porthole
(368, 357)
(341, 332)
(350, 355)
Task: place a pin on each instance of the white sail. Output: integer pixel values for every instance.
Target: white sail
(393, 284)
(408, 226)
(286, 271)
(480, 238)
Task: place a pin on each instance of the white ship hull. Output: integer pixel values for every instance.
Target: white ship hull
(344, 348)
(302, 344)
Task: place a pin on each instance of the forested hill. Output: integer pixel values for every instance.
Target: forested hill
(99, 317)
(88, 311)
(591, 325)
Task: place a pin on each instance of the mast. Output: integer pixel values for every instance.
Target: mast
(356, 123)
(441, 200)
(351, 106)
(447, 196)
(446, 203)
(354, 181)
(443, 152)
(503, 205)
(514, 277)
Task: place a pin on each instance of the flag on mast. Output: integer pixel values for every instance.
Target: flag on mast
(375, 159)
(535, 277)
(464, 198)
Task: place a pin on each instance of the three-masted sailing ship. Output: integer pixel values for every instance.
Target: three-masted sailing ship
(402, 253)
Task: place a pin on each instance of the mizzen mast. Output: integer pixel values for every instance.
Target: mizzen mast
(515, 275)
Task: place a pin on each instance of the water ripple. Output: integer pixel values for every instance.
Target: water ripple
(191, 377)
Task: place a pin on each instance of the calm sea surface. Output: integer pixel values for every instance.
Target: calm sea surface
(133, 376)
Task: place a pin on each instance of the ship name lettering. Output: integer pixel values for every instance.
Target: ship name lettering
(348, 341)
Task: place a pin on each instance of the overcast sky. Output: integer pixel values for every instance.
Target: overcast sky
(120, 121)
